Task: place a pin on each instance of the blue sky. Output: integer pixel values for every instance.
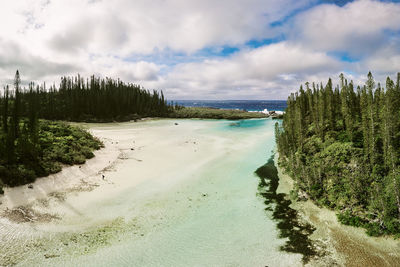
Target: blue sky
(192, 49)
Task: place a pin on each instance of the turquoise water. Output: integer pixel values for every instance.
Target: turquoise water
(253, 125)
(212, 218)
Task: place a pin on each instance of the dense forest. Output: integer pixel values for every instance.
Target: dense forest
(31, 146)
(342, 147)
(94, 99)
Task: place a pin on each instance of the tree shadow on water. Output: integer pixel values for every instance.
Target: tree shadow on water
(288, 221)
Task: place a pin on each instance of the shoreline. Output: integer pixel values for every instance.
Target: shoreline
(345, 245)
(75, 178)
(78, 177)
(149, 167)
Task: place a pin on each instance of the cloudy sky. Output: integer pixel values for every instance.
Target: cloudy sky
(201, 49)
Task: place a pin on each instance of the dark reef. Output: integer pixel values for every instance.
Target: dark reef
(289, 224)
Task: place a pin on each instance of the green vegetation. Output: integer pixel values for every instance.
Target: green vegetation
(342, 147)
(56, 143)
(30, 148)
(213, 113)
(94, 100)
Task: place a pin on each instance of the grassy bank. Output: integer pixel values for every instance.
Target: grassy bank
(213, 113)
(57, 143)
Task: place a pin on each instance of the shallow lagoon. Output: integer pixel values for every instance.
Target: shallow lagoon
(210, 216)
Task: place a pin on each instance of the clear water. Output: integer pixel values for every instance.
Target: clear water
(213, 218)
(249, 105)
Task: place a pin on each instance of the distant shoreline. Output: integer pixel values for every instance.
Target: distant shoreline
(218, 113)
(193, 113)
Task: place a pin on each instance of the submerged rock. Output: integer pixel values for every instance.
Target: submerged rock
(51, 256)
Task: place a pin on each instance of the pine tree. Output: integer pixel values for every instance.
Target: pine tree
(5, 109)
(331, 168)
(16, 108)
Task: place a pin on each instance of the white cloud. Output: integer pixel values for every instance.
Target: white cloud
(13, 57)
(261, 72)
(124, 27)
(46, 39)
(384, 61)
(138, 72)
(358, 27)
(94, 36)
(387, 65)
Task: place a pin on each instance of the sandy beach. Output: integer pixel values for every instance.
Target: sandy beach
(345, 245)
(174, 193)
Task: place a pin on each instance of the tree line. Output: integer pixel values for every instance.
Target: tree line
(28, 145)
(342, 147)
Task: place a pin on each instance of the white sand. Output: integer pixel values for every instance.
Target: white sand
(77, 213)
(148, 150)
(69, 178)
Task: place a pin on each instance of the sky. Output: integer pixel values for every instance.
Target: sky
(201, 49)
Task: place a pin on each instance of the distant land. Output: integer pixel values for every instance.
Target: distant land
(249, 105)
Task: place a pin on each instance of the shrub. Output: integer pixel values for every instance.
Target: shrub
(348, 218)
(58, 143)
